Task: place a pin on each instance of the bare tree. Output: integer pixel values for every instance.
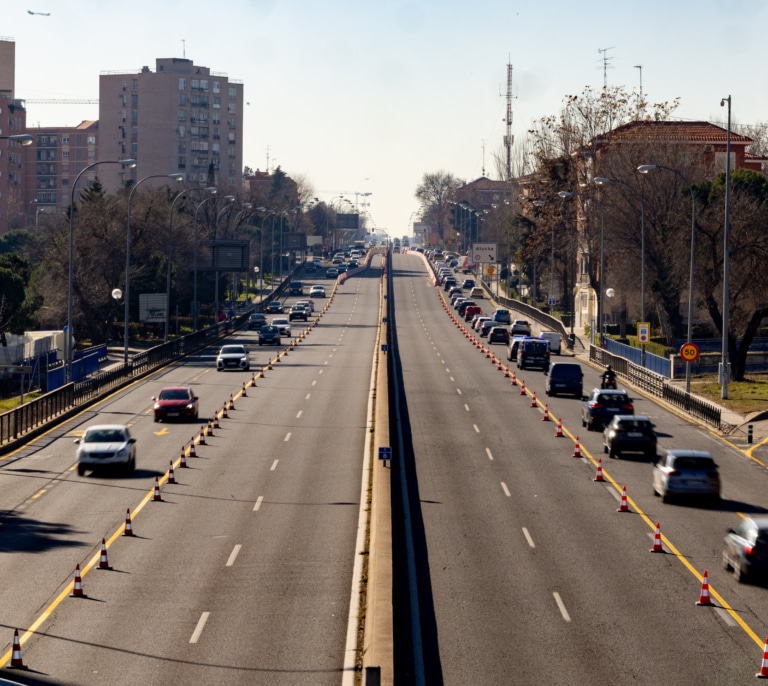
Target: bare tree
(433, 193)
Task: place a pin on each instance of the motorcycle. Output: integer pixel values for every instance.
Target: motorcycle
(608, 383)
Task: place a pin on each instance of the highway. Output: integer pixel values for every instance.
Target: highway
(243, 572)
(528, 574)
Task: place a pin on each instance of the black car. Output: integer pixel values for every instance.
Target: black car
(257, 320)
(746, 550)
(449, 283)
(485, 327)
(269, 335)
(498, 334)
(297, 312)
(274, 307)
(629, 434)
(601, 406)
(565, 377)
(533, 352)
(464, 305)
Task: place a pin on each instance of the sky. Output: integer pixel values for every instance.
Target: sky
(366, 97)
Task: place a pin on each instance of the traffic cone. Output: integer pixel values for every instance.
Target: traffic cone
(201, 439)
(103, 560)
(192, 451)
(171, 475)
(77, 589)
(522, 387)
(559, 429)
(16, 661)
(224, 414)
(244, 394)
(156, 497)
(128, 530)
(506, 372)
(183, 460)
(232, 402)
(704, 598)
(209, 428)
(545, 417)
(534, 402)
(657, 547)
(277, 359)
(762, 674)
(514, 378)
(487, 352)
(576, 448)
(599, 475)
(623, 505)
(253, 381)
(216, 421)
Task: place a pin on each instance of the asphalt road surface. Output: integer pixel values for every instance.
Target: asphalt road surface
(243, 573)
(528, 574)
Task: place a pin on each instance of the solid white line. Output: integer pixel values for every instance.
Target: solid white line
(505, 489)
(528, 538)
(477, 430)
(287, 437)
(490, 454)
(725, 616)
(466, 407)
(199, 628)
(561, 605)
(233, 555)
(257, 505)
(274, 466)
(298, 416)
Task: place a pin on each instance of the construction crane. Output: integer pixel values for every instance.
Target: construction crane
(55, 101)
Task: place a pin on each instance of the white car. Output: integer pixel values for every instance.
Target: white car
(307, 304)
(106, 446)
(283, 324)
(317, 292)
(232, 357)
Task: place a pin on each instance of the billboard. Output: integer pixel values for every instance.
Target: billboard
(225, 256)
(295, 241)
(152, 307)
(348, 221)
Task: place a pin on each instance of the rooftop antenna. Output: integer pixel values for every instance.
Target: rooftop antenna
(184, 48)
(509, 139)
(483, 142)
(605, 59)
(640, 103)
(267, 159)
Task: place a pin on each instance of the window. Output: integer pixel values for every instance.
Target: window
(134, 117)
(231, 108)
(134, 84)
(216, 133)
(232, 92)
(204, 84)
(231, 123)
(65, 140)
(182, 162)
(216, 101)
(217, 86)
(65, 154)
(182, 131)
(182, 115)
(91, 154)
(182, 146)
(91, 140)
(134, 99)
(231, 137)
(195, 83)
(182, 84)
(182, 99)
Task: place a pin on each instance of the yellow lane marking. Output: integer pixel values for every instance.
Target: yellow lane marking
(38, 494)
(162, 432)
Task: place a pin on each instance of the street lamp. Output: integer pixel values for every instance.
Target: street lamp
(726, 252)
(229, 199)
(601, 181)
(24, 139)
(175, 177)
(644, 169)
(130, 163)
(246, 206)
(194, 259)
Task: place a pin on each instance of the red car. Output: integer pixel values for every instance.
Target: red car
(178, 402)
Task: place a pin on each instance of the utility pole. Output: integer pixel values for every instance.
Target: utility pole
(508, 137)
(605, 59)
(640, 103)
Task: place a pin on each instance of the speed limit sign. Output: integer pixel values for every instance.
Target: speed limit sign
(689, 352)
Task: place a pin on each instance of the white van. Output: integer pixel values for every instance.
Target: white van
(553, 339)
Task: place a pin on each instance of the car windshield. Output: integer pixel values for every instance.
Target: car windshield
(104, 436)
(268, 329)
(233, 350)
(174, 394)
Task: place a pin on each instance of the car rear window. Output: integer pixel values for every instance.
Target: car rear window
(695, 463)
(535, 348)
(612, 399)
(634, 425)
(566, 371)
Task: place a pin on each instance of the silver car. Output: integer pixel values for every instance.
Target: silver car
(283, 324)
(681, 472)
(106, 446)
(232, 357)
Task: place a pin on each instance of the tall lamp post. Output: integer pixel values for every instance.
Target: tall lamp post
(179, 195)
(130, 163)
(644, 169)
(175, 177)
(194, 278)
(726, 252)
(246, 206)
(601, 181)
(229, 199)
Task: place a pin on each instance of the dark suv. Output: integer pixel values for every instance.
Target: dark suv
(602, 405)
(565, 377)
(269, 335)
(629, 434)
(532, 352)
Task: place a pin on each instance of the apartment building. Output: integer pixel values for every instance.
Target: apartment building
(179, 118)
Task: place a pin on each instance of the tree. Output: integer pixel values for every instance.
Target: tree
(433, 193)
(17, 305)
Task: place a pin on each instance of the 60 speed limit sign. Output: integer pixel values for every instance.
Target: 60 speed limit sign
(689, 352)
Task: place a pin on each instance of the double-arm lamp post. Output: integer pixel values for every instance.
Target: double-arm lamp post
(194, 259)
(69, 338)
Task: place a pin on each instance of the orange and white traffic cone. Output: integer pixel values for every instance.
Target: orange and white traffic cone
(704, 598)
(545, 416)
(624, 504)
(192, 451)
(762, 674)
(209, 428)
(128, 529)
(522, 387)
(216, 421)
(576, 448)
(253, 380)
(657, 547)
(599, 474)
(231, 403)
(498, 364)
(16, 660)
(534, 402)
(171, 475)
(224, 414)
(487, 352)
(77, 588)
(506, 372)
(103, 559)
(201, 439)
(559, 430)
(156, 497)
(244, 394)
(183, 459)
(514, 379)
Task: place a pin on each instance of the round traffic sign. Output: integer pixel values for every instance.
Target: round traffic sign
(689, 352)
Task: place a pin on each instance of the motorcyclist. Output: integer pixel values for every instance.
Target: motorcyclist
(609, 377)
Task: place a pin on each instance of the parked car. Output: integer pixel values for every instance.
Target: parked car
(533, 352)
(177, 402)
(565, 377)
(554, 339)
(520, 327)
(629, 434)
(232, 357)
(257, 320)
(269, 335)
(682, 472)
(274, 307)
(298, 312)
(601, 405)
(106, 446)
(502, 316)
(283, 324)
(745, 550)
(317, 292)
(498, 334)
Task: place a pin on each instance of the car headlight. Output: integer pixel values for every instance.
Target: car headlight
(190, 406)
(157, 406)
